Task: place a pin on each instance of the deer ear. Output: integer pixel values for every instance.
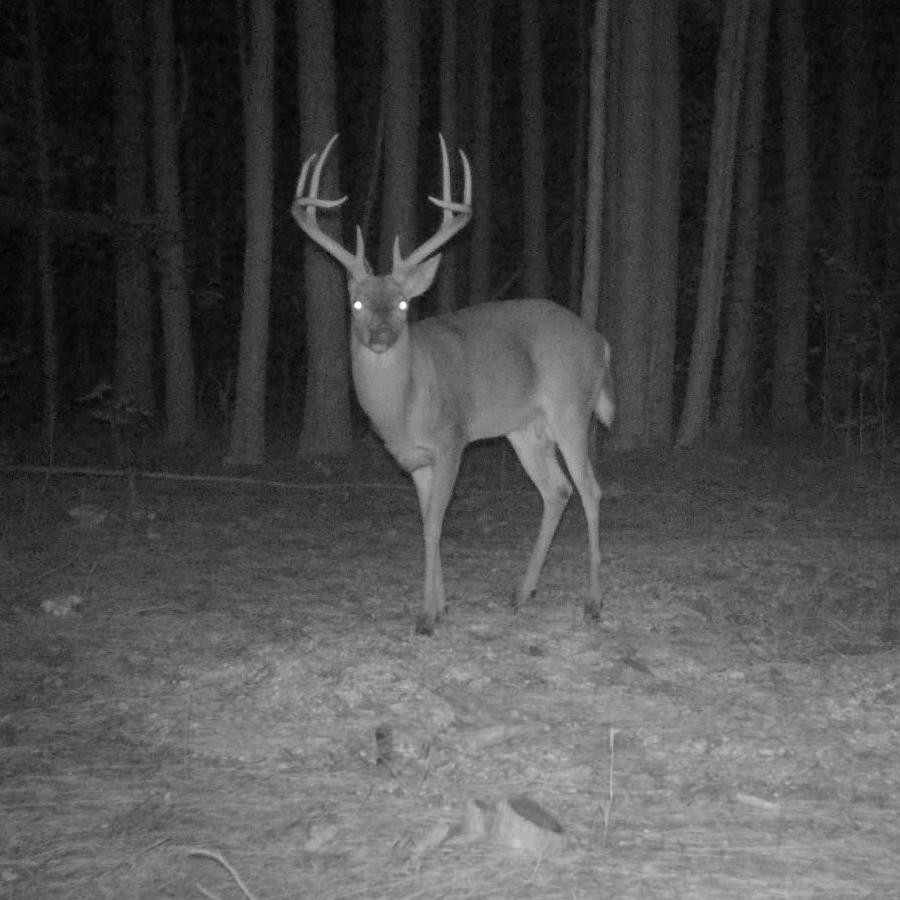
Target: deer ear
(420, 277)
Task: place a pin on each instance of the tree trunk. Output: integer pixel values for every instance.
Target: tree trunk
(46, 272)
(596, 164)
(448, 284)
(845, 275)
(788, 412)
(176, 313)
(667, 208)
(535, 272)
(134, 310)
(401, 111)
(734, 395)
(480, 247)
(580, 137)
(729, 70)
(326, 427)
(892, 212)
(630, 185)
(257, 41)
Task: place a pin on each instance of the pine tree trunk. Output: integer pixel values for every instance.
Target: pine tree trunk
(596, 166)
(892, 212)
(326, 427)
(577, 211)
(480, 247)
(448, 284)
(401, 113)
(630, 182)
(248, 426)
(845, 275)
(176, 313)
(667, 207)
(734, 394)
(788, 412)
(46, 271)
(134, 309)
(729, 72)
(535, 272)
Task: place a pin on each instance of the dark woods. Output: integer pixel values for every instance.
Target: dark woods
(715, 186)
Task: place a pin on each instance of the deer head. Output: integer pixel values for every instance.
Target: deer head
(379, 303)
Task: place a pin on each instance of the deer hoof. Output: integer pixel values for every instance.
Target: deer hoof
(425, 625)
(520, 598)
(592, 609)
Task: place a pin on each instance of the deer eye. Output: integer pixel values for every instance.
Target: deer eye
(403, 305)
(357, 305)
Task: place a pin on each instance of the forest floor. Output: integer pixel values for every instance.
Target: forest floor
(231, 668)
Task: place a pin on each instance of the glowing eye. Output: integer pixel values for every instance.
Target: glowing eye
(403, 306)
(357, 305)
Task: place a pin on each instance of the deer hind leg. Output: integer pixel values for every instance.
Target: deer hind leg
(434, 486)
(573, 441)
(536, 452)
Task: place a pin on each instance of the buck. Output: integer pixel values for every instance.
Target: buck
(527, 369)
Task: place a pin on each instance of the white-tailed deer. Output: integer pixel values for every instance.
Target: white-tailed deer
(526, 369)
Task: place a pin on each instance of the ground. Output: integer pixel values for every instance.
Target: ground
(205, 665)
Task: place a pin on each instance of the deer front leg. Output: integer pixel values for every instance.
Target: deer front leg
(434, 486)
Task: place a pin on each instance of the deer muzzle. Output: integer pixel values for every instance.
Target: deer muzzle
(381, 337)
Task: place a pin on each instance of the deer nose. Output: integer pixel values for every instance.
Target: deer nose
(382, 336)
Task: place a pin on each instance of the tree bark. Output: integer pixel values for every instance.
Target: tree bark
(789, 412)
(448, 284)
(845, 271)
(535, 272)
(257, 80)
(134, 309)
(666, 201)
(579, 141)
(18, 214)
(401, 112)
(176, 313)
(326, 429)
(630, 183)
(729, 70)
(734, 394)
(596, 164)
(46, 271)
(892, 212)
(480, 247)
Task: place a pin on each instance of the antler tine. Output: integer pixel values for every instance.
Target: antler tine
(313, 200)
(446, 203)
(455, 217)
(445, 170)
(304, 211)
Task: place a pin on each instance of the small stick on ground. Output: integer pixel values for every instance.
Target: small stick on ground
(607, 807)
(212, 854)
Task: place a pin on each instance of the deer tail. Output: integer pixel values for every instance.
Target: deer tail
(605, 407)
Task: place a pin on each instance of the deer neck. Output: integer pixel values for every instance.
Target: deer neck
(383, 383)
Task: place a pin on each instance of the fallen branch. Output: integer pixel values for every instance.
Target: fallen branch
(217, 857)
(203, 479)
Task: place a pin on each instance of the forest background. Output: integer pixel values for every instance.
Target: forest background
(716, 186)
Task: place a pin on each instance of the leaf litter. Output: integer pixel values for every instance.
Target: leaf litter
(243, 680)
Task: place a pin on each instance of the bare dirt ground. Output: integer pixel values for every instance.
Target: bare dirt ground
(201, 665)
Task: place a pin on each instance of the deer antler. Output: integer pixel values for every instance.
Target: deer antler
(304, 209)
(455, 218)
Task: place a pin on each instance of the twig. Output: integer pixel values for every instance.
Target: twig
(48, 471)
(208, 894)
(179, 476)
(217, 857)
(607, 807)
